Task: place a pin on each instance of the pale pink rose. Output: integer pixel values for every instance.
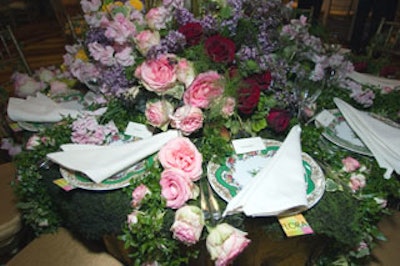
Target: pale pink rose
(225, 243)
(188, 224)
(381, 202)
(180, 153)
(228, 107)
(57, 86)
(132, 218)
(386, 90)
(188, 119)
(357, 181)
(350, 164)
(157, 18)
(205, 87)
(185, 72)
(24, 85)
(32, 142)
(158, 75)
(158, 113)
(176, 188)
(45, 74)
(138, 194)
(125, 57)
(147, 39)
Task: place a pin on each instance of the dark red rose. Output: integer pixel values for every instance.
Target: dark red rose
(388, 71)
(248, 96)
(263, 80)
(278, 119)
(193, 33)
(360, 67)
(220, 49)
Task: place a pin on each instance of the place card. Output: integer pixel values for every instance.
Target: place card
(138, 130)
(62, 183)
(295, 225)
(325, 118)
(248, 145)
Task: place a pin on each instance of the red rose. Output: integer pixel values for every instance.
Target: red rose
(360, 67)
(220, 49)
(388, 71)
(263, 80)
(278, 119)
(193, 33)
(248, 96)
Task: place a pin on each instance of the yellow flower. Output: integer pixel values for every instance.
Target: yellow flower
(81, 55)
(137, 4)
(109, 7)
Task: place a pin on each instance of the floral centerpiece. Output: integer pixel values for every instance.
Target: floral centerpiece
(216, 71)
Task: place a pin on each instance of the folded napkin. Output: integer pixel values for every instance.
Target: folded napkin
(41, 109)
(381, 139)
(279, 187)
(368, 79)
(101, 162)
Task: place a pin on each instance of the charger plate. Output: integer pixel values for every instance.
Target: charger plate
(229, 178)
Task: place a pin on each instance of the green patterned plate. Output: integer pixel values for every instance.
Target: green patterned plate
(229, 178)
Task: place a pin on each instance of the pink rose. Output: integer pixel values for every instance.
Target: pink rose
(185, 72)
(350, 164)
(158, 113)
(24, 85)
(157, 18)
(188, 119)
(228, 107)
(158, 75)
(138, 194)
(225, 243)
(357, 181)
(205, 87)
(176, 188)
(132, 218)
(147, 39)
(188, 224)
(33, 142)
(180, 153)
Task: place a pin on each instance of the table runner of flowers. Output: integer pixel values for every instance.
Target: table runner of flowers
(215, 71)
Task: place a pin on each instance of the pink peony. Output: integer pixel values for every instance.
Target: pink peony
(350, 164)
(24, 85)
(176, 188)
(188, 119)
(205, 87)
(225, 243)
(158, 113)
(147, 39)
(158, 75)
(188, 224)
(138, 194)
(180, 153)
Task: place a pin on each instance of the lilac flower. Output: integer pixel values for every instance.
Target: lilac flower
(86, 130)
(125, 57)
(90, 6)
(102, 54)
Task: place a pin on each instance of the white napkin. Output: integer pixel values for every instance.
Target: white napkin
(101, 162)
(279, 187)
(368, 79)
(381, 139)
(41, 109)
